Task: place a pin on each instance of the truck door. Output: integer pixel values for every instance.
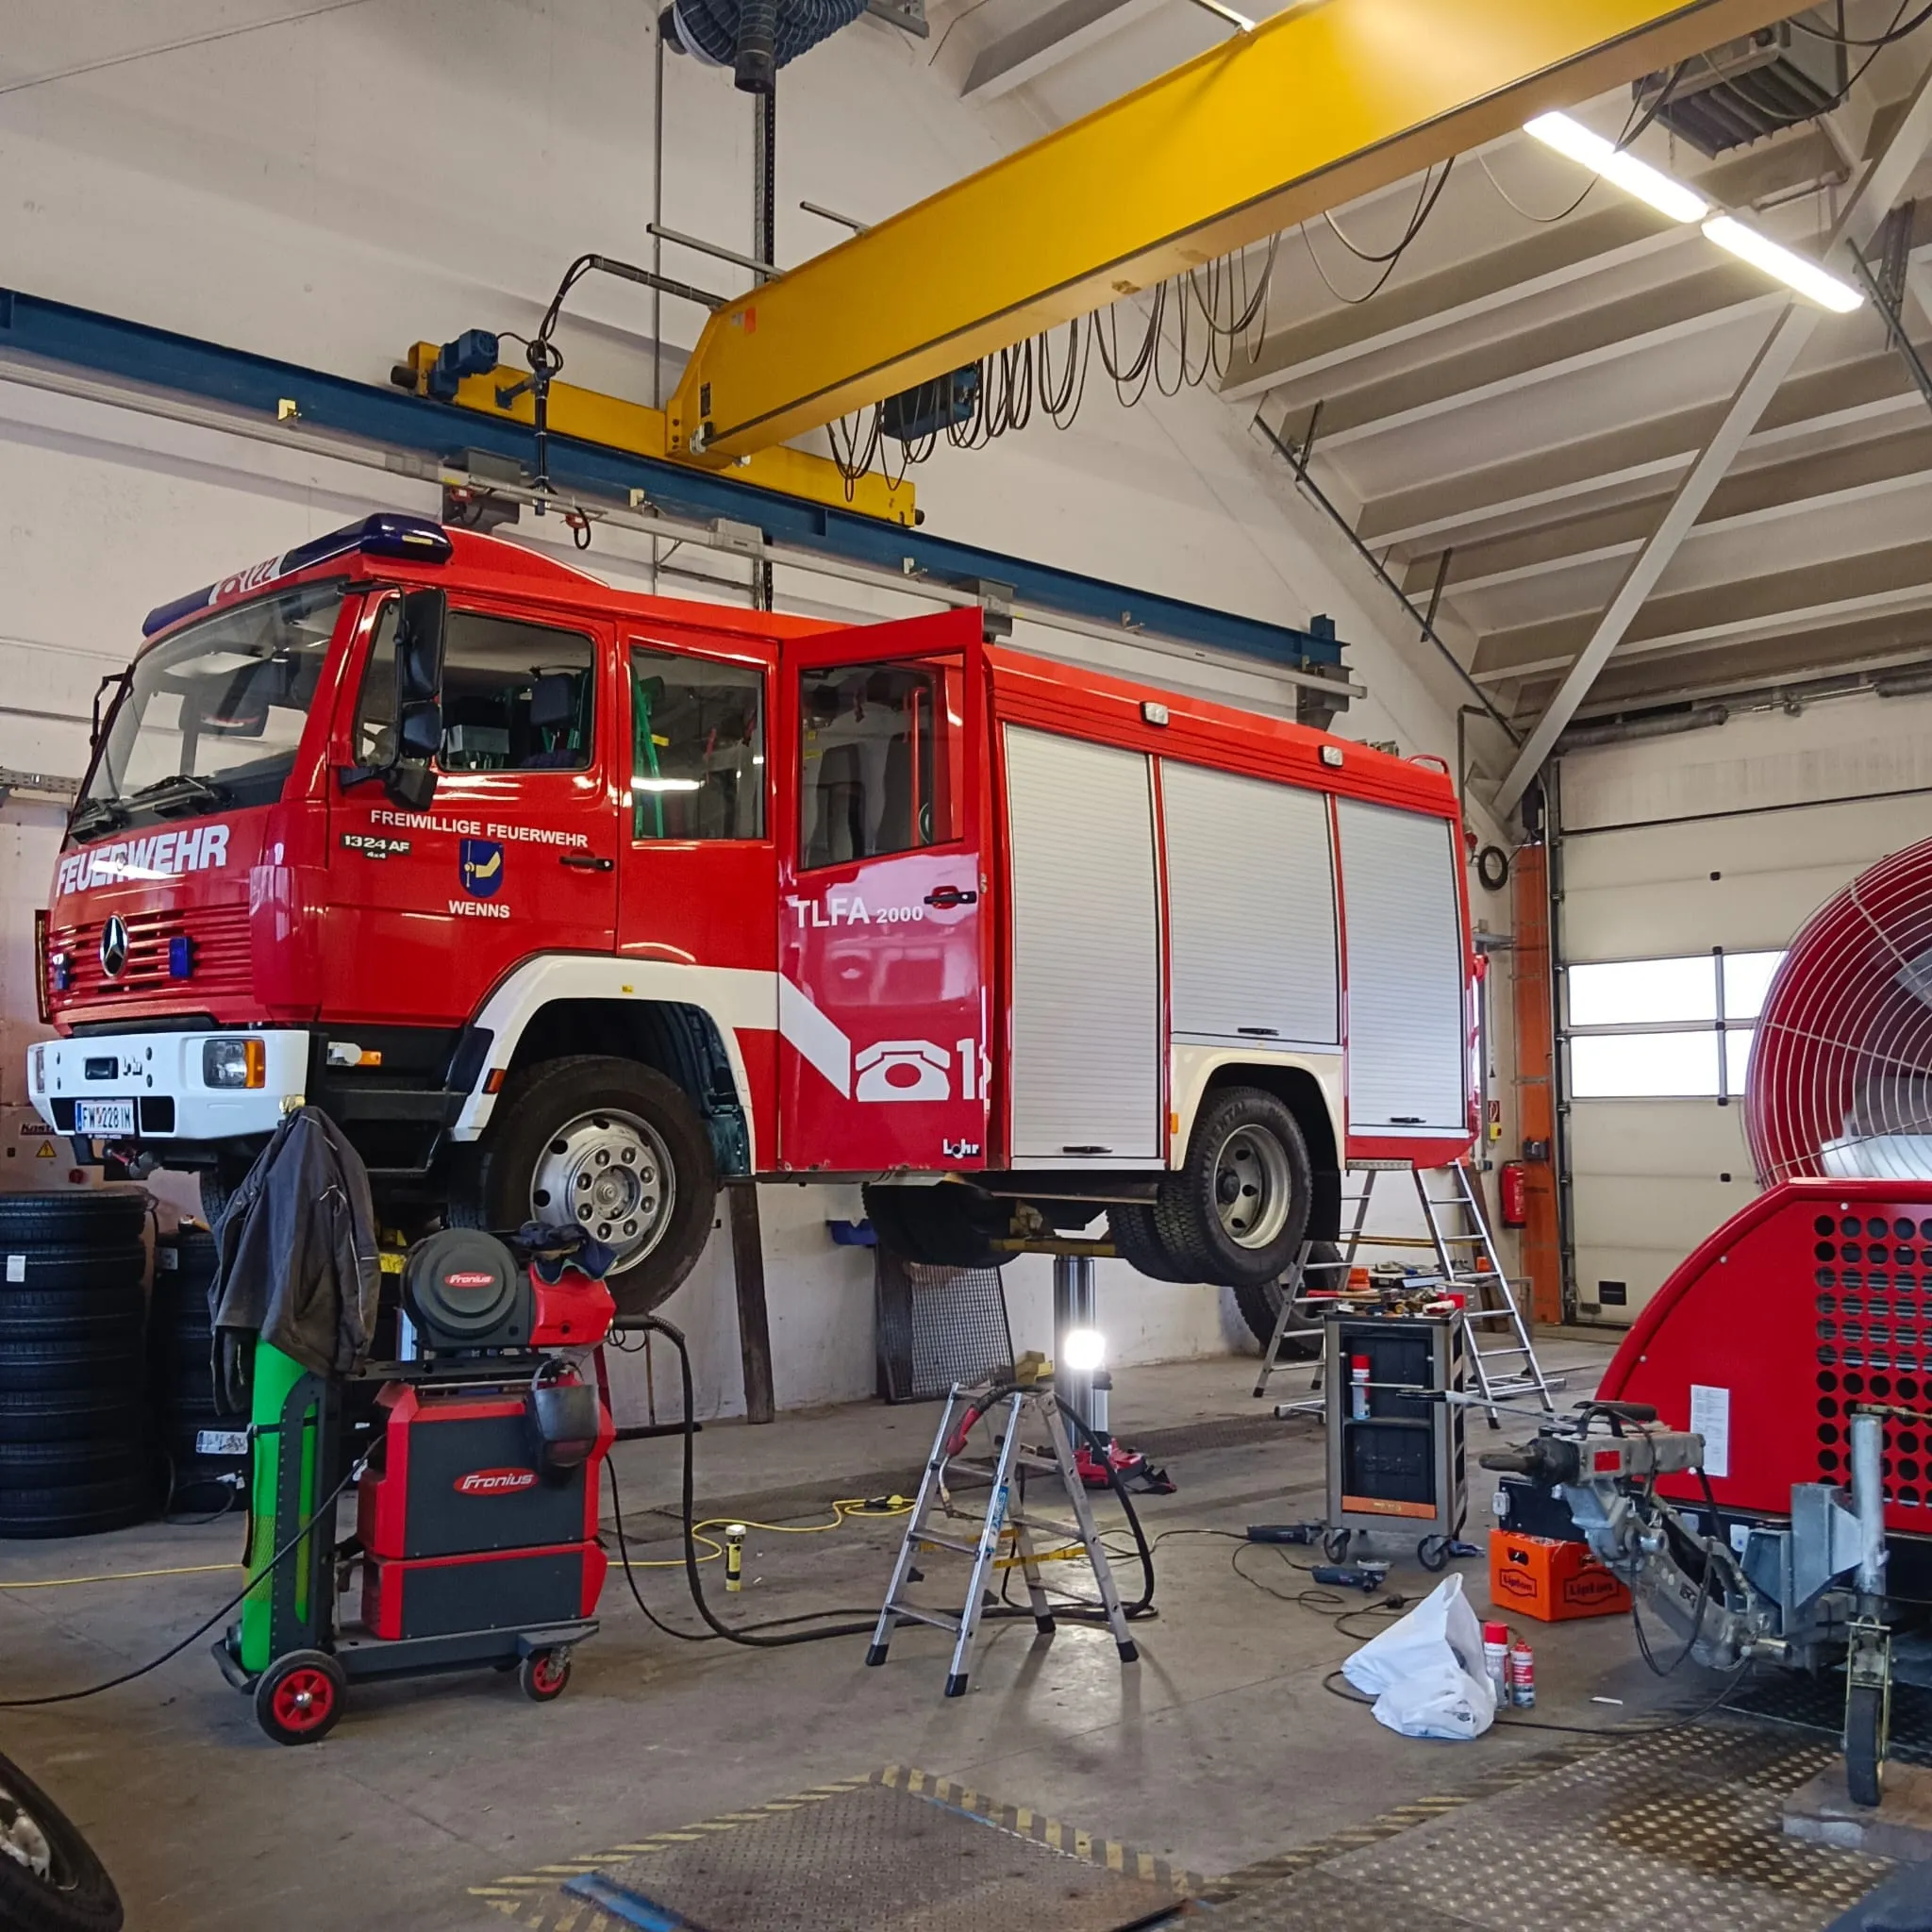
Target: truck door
(516, 853)
(883, 926)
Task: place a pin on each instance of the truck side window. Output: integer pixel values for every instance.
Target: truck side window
(879, 749)
(697, 748)
(516, 696)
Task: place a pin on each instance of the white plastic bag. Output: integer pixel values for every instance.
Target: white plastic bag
(1426, 1673)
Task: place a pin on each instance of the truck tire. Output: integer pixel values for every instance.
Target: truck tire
(118, 1267)
(111, 1320)
(67, 1364)
(1131, 1225)
(59, 1415)
(1236, 1210)
(84, 1219)
(619, 1139)
(50, 1879)
(1260, 1304)
(77, 1508)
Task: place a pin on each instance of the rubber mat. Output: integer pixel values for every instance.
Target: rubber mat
(870, 1860)
(1683, 1828)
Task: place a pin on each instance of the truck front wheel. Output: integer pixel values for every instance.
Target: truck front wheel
(604, 1145)
(1235, 1211)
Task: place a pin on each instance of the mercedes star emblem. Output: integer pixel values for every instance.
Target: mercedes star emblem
(114, 948)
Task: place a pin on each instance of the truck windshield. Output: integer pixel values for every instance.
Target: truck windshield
(212, 717)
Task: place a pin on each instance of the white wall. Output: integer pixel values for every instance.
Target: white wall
(332, 188)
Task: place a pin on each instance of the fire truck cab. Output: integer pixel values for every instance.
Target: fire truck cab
(569, 904)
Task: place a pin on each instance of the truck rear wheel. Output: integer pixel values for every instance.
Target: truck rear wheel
(1138, 1243)
(608, 1145)
(1235, 1211)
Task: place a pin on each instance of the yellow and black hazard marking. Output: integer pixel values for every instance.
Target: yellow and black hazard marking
(1039, 1828)
(536, 1899)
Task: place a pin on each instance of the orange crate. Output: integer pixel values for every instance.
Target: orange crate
(1552, 1581)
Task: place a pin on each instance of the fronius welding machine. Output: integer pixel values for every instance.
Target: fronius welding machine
(476, 1465)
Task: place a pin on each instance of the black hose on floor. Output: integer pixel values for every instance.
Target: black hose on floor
(755, 1635)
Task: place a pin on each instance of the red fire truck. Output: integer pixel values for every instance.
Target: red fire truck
(568, 903)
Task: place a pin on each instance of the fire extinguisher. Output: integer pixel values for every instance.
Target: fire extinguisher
(1514, 1188)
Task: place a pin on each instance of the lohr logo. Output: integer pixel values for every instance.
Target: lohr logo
(481, 864)
(495, 1482)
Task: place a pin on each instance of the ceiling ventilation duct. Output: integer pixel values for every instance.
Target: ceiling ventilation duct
(753, 38)
(1840, 1074)
(1744, 89)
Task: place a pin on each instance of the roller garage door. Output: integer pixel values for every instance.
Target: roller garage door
(1682, 867)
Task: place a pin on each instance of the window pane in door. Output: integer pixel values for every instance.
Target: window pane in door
(1747, 979)
(1651, 1066)
(1643, 993)
(878, 754)
(697, 748)
(1737, 1058)
(516, 696)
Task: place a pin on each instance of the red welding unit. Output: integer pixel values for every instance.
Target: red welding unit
(469, 1526)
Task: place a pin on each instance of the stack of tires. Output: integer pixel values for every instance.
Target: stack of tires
(72, 1415)
(180, 1345)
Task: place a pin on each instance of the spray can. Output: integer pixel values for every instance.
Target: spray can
(1522, 1674)
(1358, 1387)
(734, 1556)
(1496, 1659)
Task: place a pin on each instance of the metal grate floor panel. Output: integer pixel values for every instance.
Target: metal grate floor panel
(872, 1860)
(1684, 1828)
(1818, 1703)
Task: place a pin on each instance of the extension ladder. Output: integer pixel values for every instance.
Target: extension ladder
(1500, 1371)
(1032, 1410)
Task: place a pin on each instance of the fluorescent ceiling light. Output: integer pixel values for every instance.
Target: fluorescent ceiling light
(1798, 271)
(1605, 157)
(667, 784)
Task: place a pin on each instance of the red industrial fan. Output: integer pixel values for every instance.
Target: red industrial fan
(1840, 1074)
(1817, 1296)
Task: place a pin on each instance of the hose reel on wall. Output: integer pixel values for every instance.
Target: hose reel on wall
(755, 38)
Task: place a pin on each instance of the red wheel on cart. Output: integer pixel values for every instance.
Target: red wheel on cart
(543, 1674)
(299, 1697)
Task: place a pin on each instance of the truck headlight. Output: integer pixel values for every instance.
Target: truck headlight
(234, 1063)
(39, 1057)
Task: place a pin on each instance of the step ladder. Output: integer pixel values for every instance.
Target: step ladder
(1030, 1414)
(1467, 1260)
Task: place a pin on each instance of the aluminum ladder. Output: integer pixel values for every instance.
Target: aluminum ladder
(1031, 1411)
(1489, 1302)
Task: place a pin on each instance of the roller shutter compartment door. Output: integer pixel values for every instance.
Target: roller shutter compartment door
(1086, 1018)
(1408, 1053)
(1251, 910)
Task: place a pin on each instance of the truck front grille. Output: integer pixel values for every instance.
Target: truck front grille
(221, 956)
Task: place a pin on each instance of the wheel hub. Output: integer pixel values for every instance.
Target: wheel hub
(21, 1838)
(609, 1173)
(1252, 1187)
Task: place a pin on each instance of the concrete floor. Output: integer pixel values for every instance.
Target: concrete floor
(1223, 1747)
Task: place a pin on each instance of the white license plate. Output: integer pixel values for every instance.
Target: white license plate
(103, 1116)
(221, 1441)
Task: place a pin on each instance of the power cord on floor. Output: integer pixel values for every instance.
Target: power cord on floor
(200, 1629)
(756, 1635)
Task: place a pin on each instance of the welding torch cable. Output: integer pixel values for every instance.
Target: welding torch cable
(174, 1650)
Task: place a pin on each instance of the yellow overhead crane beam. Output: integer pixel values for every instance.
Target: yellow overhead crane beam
(591, 417)
(1323, 102)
